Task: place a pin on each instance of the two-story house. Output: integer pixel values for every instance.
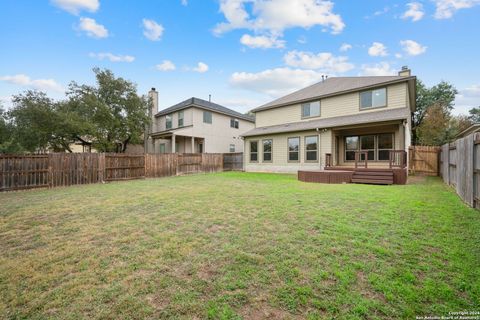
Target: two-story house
(333, 123)
(196, 126)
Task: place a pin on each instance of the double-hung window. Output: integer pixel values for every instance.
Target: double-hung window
(311, 109)
(294, 149)
(232, 148)
(180, 118)
(234, 123)
(267, 150)
(207, 117)
(311, 148)
(253, 151)
(373, 99)
(168, 121)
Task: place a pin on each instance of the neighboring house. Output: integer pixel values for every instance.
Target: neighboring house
(472, 129)
(341, 117)
(196, 126)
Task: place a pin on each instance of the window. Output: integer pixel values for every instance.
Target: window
(311, 148)
(267, 150)
(162, 148)
(168, 121)
(373, 98)
(234, 123)
(367, 143)
(232, 148)
(385, 144)
(207, 117)
(180, 118)
(378, 146)
(253, 151)
(294, 149)
(311, 109)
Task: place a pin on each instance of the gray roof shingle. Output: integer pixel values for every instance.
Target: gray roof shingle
(361, 118)
(202, 104)
(332, 86)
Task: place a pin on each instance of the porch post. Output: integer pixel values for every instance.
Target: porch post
(193, 144)
(173, 144)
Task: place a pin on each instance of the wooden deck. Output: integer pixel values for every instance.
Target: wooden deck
(340, 174)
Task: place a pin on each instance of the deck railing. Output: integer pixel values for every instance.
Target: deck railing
(328, 159)
(358, 159)
(398, 159)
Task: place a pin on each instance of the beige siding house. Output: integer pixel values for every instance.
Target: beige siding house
(336, 120)
(196, 125)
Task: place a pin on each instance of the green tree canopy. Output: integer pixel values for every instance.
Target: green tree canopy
(442, 96)
(116, 114)
(474, 114)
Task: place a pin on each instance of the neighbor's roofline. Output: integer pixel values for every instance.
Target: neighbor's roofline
(403, 79)
(191, 103)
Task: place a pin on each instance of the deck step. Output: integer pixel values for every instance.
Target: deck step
(375, 173)
(371, 181)
(369, 177)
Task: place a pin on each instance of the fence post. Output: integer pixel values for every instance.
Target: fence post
(101, 167)
(50, 170)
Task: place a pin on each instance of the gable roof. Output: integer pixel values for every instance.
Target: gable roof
(361, 118)
(334, 86)
(202, 104)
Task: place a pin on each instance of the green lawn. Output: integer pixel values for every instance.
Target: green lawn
(238, 245)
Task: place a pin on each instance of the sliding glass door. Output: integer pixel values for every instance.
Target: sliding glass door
(377, 146)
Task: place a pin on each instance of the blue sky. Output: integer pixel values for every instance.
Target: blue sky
(242, 52)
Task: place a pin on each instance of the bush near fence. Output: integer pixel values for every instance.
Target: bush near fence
(19, 172)
(460, 167)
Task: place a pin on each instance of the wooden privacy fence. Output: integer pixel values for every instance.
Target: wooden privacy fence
(233, 161)
(19, 172)
(424, 160)
(460, 167)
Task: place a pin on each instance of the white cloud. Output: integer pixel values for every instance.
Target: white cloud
(184, 3)
(201, 67)
(378, 69)
(263, 42)
(467, 98)
(75, 6)
(345, 47)
(275, 16)
(398, 55)
(377, 49)
(414, 12)
(152, 30)
(39, 84)
(275, 82)
(412, 48)
(166, 65)
(92, 28)
(112, 57)
(446, 8)
(323, 61)
(302, 40)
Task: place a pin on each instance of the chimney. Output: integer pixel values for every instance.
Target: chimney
(405, 72)
(153, 95)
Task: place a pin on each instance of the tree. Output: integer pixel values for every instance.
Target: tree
(475, 114)
(116, 114)
(7, 143)
(441, 95)
(432, 130)
(40, 123)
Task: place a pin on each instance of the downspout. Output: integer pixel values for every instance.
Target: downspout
(319, 147)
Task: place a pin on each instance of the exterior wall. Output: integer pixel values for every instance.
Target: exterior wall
(160, 122)
(346, 104)
(216, 136)
(219, 135)
(280, 161)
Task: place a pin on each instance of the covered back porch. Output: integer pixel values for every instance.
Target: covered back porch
(175, 143)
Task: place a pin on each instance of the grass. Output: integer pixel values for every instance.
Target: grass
(238, 245)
